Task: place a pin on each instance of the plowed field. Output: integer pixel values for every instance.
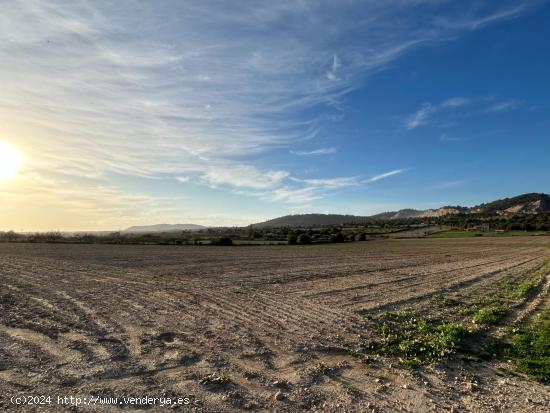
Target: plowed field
(246, 328)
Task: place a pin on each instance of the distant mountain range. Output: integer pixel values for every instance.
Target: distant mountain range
(163, 228)
(531, 203)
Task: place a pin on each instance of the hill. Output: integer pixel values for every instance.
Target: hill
(163, 228)
(532, 203)
(308, 220)
(415, 213)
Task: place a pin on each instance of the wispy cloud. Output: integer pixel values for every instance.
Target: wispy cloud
(455, 102)
(420, 117)
(449, 184)
(332, 74)
(505, 106)
(309, 190)
(314, 152)
(506, 12)
(331, 183)
(385, 175)
(85, 208)
(243, 176)
(187, 90)
(459, 107)
(295, 195)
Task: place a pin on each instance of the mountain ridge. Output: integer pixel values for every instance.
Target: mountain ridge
(529, 203)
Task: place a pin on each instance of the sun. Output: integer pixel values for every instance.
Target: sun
(10, 160)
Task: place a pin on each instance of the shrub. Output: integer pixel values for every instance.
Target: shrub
(303, 239)
(223, 241)
(360, 237)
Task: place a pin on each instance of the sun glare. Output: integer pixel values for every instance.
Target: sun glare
(10, 160)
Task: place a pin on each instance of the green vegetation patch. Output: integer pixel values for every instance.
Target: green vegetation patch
(489, 315)
(469, 234)
(529, 347)
(455, 234)
(420, 340)
(525, 289)
(543, 270)
(417, 340)
(490, 309)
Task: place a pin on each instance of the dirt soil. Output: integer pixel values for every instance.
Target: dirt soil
(246, 328)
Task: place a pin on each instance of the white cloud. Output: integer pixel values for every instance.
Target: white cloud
(192, 90)
(310, 190)
(331, 183)
(314, 152)
(385, 175)
(295, 195)
(504, 106)
(332, 74)
(243, 176)
(37, 202)
(420, 117)
(456, 106)
(455, 102)
(153, 92)
(467, 22)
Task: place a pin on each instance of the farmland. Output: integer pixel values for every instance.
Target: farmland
(274, 328)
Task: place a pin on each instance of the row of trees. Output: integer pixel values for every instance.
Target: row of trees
(516, 222)
(218, 236)
(323, 234)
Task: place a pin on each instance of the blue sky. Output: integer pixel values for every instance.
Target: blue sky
(225, 113)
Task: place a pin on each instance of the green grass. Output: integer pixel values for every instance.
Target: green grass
(489, 315)
(468, 234)
(420, 340)
(490, 309)
(545, 269)
(455, 234)
(417, 340)
(529, 347)
(525, 288)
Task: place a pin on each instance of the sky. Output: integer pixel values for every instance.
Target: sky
(229, 113)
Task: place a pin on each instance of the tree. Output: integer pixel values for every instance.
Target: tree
(303, 239)
(223, 241)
